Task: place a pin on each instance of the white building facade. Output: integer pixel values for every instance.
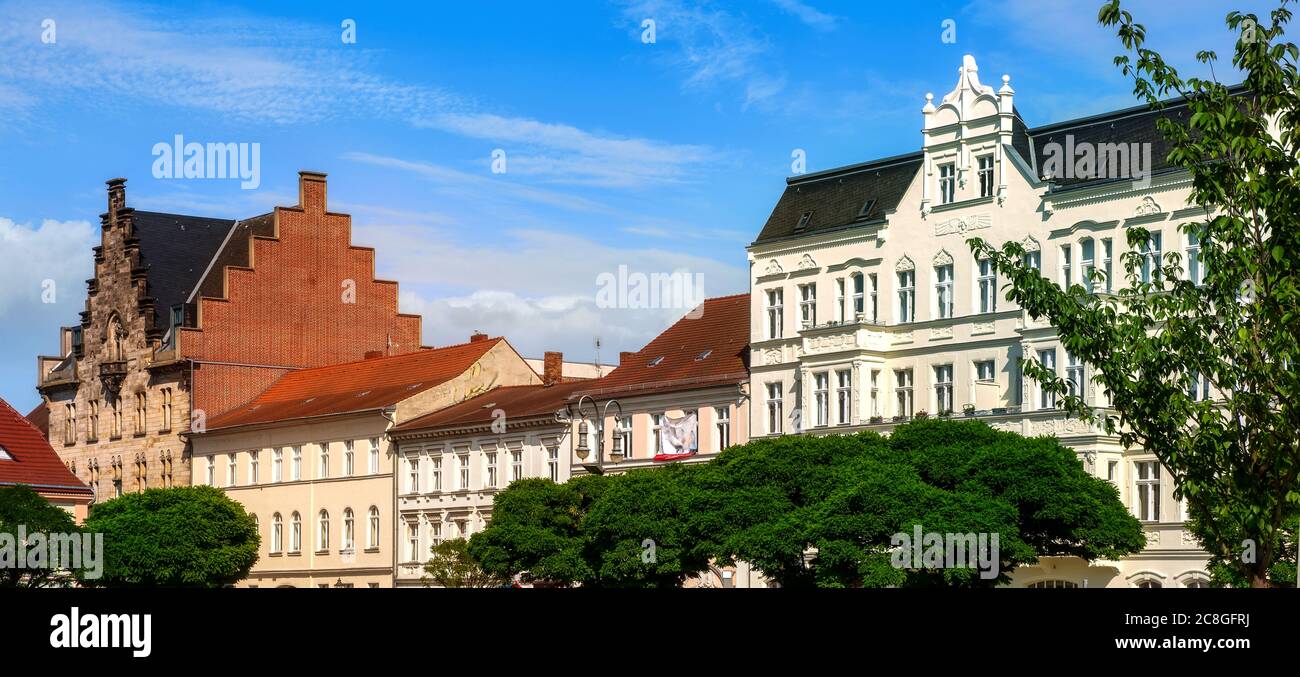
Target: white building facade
(868, 306)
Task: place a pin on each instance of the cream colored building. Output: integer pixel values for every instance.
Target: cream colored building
(868, 306)
(309, 458)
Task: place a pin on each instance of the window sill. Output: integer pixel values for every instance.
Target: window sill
(275, 554)
(323, 552)
(297, 553)
(371, 550)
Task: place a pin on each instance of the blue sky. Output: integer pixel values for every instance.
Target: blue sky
(662, 157)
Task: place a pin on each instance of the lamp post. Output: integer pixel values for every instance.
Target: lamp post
(582, 450)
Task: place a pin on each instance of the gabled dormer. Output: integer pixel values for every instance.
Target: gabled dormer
(964, 141)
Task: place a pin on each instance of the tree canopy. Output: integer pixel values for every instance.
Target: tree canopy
(813, 511)
(22, 506)
(178, 537)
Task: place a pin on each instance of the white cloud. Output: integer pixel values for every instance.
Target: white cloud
(55, 253)
(808, 14)
(572, 155)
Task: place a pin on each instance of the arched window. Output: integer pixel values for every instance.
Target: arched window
(1053, 584)
(323, 530)
(277, 533)
(1148, 583)
(372, 528)
(295, 532)
(348, 530)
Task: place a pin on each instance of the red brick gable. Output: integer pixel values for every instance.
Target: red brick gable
(308, 298)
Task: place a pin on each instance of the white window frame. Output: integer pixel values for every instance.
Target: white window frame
(984, 172)
(947, 183)
(904, 397)
(774, 408)
(808, 305)
(943, 292)
(844, 396)
(1146, 491)
(1047, 358)
(775, 313)
(906, 296)
(943, 390)
(722, 426)
(821, 398)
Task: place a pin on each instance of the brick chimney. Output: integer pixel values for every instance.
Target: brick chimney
(372, 354)
(311, 191)
(552, 368)
(624, 356)
(477, 336)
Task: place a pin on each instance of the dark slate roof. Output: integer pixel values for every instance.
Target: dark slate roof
(835, 196)
(176, 250)
(27, 458)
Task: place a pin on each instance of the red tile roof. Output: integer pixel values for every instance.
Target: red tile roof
(710, 350)
(355, 386)
(26, 458)
(40, 417)
(518, 402)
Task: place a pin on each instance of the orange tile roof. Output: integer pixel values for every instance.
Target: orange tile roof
(710, 350)
(27, 458)
(518, 402)
(355, 386)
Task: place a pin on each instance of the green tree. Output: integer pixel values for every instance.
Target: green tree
(536, 531)
(1235, 461)
(179, 537)
(451, 566)
(21, 506)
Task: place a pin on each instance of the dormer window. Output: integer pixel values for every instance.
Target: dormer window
(703, 356)
(4, 455)
(866, 208)
(947, 183)
(655, 362)
(803, 221)
(178, 316)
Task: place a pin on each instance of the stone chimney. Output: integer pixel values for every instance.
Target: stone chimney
(477, 336)
(552, 368)
(311, 191)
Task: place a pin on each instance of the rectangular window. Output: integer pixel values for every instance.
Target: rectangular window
(774, 408)
(656, 425)
(1087, 259)
(516, 465)
(1034, 259)
(821, 396)
(988, 287)
(435, 533)
(1151, 259)
(859, 291)
(166, 410)
(875, 305)
(374, 456)
(985, 370)
(875, 392)
(462, 481)
(277, 465)
(92, 423)
(413, 542)
(943, 388)
(253, 461)
(1199, 388)
(295, 470)
(490, 464)
(349, 459)
(553, 463)
(943, 291)
(413, 474)
(623, 428)
(1105, 262)
(807, 305)
(232, 470)
(210, 478)
(1148, 491)
(903, 391)
(324, 469)
(1047, 400)
(1112, 471)
(140, 410)
(947, 183)
(775, 314)
(840, 300)
(435, 473)
(1074, 374)
(1067, 266)
(1195, 271)
(722, 426)
(906, 296)
(844, 397)
(985, 171)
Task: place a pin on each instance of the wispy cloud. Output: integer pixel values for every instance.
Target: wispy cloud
(44, 271)
(808, 14)
(565, 154)
(711, 46)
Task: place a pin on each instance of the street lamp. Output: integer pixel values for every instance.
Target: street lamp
(616, 453)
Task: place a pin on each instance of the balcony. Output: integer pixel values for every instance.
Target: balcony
(111, 374)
